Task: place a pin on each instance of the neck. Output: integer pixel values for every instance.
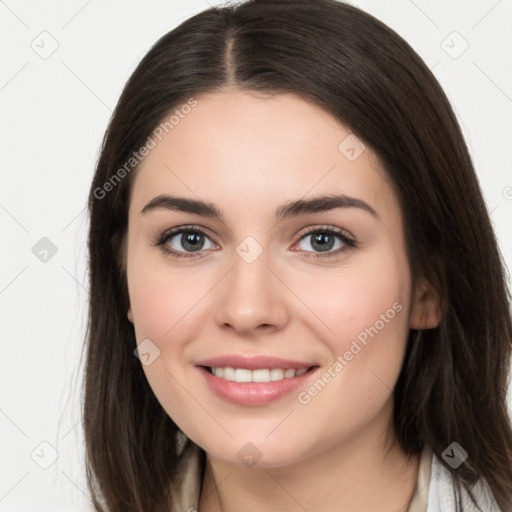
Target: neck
(367, 472)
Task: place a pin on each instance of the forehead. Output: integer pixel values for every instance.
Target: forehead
(243, 148)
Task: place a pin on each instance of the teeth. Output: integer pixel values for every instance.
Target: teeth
(260, 375)
(243, 375)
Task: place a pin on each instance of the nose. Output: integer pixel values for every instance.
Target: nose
(252, 298)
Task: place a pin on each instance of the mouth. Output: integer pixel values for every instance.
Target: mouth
(255, 386)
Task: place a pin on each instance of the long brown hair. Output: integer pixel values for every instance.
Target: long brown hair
(453, 383)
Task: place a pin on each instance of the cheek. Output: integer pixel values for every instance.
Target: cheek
(163, 309)
(160, 297)
(368, 312)
(354, 303)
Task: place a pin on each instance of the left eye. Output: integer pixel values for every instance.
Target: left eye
(320, 241)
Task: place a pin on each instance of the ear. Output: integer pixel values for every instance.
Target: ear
(130, 314)
(426, 312)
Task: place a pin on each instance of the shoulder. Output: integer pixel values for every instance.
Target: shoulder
(442, 496)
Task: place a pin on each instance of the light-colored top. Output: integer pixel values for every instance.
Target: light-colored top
(442, 496)
(434, 491)
(420, 497)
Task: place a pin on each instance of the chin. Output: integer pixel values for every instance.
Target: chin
(260, 452)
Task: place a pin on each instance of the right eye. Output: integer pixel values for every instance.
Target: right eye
(183, 242)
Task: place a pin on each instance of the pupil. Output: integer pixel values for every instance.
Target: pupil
(192, 241)
(325, 242)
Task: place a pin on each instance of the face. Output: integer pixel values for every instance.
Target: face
(300, 305)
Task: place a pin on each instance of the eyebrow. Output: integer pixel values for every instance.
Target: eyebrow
(287, 210)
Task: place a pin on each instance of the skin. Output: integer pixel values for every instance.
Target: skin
(249, 154)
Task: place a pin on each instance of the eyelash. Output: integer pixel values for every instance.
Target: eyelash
(348, 243)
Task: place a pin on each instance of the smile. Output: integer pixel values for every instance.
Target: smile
(255, 381)
(258, 375)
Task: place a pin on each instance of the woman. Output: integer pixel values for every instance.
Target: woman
(297, 299)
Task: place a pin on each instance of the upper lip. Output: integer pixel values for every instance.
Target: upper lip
(253, 363)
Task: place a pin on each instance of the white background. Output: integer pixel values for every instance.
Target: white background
(53, 114)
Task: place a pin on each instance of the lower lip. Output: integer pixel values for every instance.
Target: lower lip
(254, 393)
